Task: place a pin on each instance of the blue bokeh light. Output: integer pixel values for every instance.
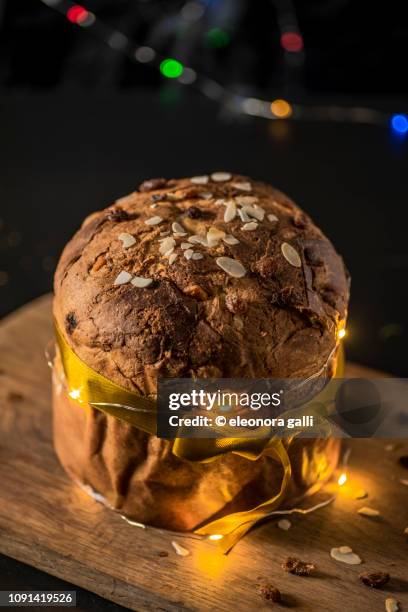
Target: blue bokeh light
(399, 124)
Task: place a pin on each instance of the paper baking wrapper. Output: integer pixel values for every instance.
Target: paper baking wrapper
(137, 474)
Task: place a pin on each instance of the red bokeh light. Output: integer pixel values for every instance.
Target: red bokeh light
(292, 41)
(77, 14)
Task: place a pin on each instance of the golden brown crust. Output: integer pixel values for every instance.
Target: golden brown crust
(194, 319)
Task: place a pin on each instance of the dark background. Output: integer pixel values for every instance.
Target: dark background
(81, 124)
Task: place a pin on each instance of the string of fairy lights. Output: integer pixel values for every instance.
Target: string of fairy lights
(292, 43)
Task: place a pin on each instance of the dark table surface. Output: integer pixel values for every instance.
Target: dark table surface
(66, 154)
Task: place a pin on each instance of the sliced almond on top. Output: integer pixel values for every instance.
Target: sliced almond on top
(206, 195)
(196, 239)
(230, 239)
(172, 258)
(197, 256)
(272, 218)
(255, 212)
(139, 281)
(244, 186)
(230, 211)
(250, 227)
(154, 220)
(188, 254)
(167, 244)
(245, 218)
(122, 278)
(127, 240)
(199, 180)
(221, 177)
(246, 200)
(291, 255)
(214, 235)
(231, 266)
(178, 229)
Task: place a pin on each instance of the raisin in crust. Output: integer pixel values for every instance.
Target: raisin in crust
(194, 319)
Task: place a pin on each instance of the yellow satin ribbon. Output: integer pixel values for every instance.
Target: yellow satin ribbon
(87, 386)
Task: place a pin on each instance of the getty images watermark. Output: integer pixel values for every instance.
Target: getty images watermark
(262, 408)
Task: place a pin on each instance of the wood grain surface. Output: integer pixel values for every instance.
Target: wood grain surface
(48, 522)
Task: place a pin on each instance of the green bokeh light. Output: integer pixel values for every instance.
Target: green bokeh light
(171, 68)
(216, 37)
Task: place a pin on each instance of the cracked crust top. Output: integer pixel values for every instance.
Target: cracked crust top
(278, 316)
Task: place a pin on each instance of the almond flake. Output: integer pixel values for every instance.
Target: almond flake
(219, 202)
(195, 239)
(231, 266)
(188, 254)
(260, 210)
(207, 195)
(153, 205)
(197, 256)
(230, 239)
(404, 481)
(284, 524)
(246, 200)
(127, 240)
(366, 511)
(221, 177)
(272, 218)
(166, 245)
(391, 605)
(345, 557)
(139, 281)
(242, 186)
(361, 494)
(169, 252)
(172, 258)
(122, 278)
(244, 216)
(214, 235)
(230, 211)
(178, 229)
(185, 245)
(180, 550)
(173, 197)
(250, 227)
(291, 255)
(255, 212)
(167, 233)
(153, 221)
(199, 180)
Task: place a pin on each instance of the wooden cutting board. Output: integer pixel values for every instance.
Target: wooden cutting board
(48, 522)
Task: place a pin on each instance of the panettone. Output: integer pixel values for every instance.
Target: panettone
(214, 276)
